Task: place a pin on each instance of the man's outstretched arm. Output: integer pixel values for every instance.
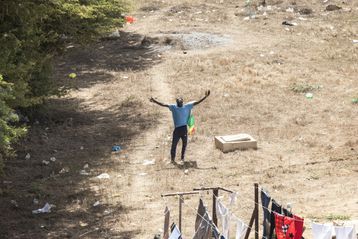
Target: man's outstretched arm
(157, 102)
(207, 93)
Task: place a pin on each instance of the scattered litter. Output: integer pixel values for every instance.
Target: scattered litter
(28, 156)
(355, 41)
(83, 172)
(289, 23)
(45, 209)
(14, 203)
(83, 224)
(7, 182)
(64, 170)
(332, 7)
(81, 148)
(114, 34)
(226, 95)
(116, 148)
(86, 166)
(107, 212)
(45, 162)
(70, 46)
(302, 19)
(103, 176)
(355, 100)
(290, 9)
(287, 29)
(262, 55)
(97, 203)
(142, 174)
(186, 171)
(72, 75)
(309, 95)
(148, 162)
(125, 77)
(129, 19)
(53, 159)
(35, 201)
(272, 52)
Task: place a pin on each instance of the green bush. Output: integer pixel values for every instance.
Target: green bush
(31, 33)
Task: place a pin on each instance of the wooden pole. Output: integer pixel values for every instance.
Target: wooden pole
(256, 211)
(181, 199)
(215, 195)
(179, 193)
(255, 215)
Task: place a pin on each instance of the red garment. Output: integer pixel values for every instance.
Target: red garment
(284, 227)
(298, 226)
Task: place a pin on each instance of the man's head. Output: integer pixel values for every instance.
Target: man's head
(180, 102)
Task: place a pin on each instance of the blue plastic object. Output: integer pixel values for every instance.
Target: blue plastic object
(116, 148)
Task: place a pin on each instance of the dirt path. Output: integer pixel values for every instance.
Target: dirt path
(142, 183)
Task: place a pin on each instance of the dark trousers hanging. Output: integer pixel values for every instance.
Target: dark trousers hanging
(265, 201)
(275, 207)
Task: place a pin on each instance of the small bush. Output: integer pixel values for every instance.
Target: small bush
(304, 88)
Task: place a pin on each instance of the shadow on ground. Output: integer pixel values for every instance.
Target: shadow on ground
(75, 137)
(130, 52)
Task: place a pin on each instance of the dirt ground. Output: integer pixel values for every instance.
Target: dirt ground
(258, 71)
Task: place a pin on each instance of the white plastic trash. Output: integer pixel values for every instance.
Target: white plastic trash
(103, 176)
(28, 156)
(45, 209)
(83, 172)
(148, 162)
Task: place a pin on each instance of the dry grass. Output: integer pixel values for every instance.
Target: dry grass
(307, 152)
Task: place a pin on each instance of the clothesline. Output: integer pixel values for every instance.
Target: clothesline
(211, 223)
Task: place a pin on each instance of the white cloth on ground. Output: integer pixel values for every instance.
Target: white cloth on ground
(322, 231)
(346, 232)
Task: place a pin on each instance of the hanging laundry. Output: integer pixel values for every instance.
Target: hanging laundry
(322, 231)
(241, 229)
(285, 227)
(224, 214)
(265, 201)
(275, 207)
(233, 198)
(166, 223)
(203, 223)
(298, 226)
(346, 232)
(175, 232)
(216, 233)
(286, 212)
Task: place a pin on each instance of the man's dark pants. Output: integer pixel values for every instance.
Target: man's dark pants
(179, 133)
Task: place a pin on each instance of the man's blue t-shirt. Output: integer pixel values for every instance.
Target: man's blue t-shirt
(181, 114)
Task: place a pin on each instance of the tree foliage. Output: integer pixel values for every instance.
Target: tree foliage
(31, 33)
